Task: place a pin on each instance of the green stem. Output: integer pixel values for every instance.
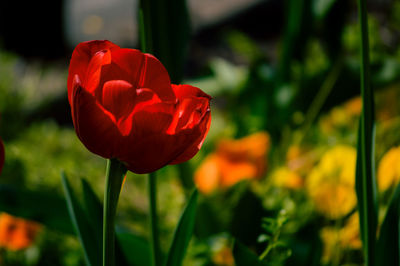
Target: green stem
(368, 216)
(155, 244)
(114, 178)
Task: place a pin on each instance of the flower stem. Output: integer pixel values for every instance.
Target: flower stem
(155, 244)
(114, 178)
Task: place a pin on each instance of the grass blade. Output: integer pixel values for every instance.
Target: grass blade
(183, 233)
(82, 227)
(387, 250)
(365, 170)
(165, 27)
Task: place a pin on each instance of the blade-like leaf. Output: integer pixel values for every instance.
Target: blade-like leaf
(183, 233)
(244, 256)
(130, 249)
(388, 246)
(35, 205)
(94, 212)
(367, 200)
(82, 227)
(365, 170)
(135, 248)
(166, 29)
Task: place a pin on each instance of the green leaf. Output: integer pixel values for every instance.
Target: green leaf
(93, 211)
(35, 205)
(183, 233)
(244, 256)
(165, 26)
(135, 248)
(130, 249)
(367, 198)
(82, 227)
(365, 169)
(388, 245)
(321, 7)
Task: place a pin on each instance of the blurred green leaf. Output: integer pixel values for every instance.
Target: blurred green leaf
(42, 206)
(129, 248)
(366, 188)
(183, 232)
(85, 232)
(166, 27)
(321, 7)
(93, 211)
(244, 256)
(388, 245)
(135, 248)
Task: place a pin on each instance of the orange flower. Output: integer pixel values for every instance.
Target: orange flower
(16, 233)
(233, 161)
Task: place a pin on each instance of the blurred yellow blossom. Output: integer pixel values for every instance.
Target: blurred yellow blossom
(330, 184)
(336, 239)
(223, 257)
(233, 161)
(353, 106)
(284, 177)
(389, 169)
(343, 116)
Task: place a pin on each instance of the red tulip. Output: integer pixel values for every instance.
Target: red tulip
(124, 106)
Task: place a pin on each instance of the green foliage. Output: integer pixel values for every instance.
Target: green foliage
(183, 233)
(388, 244)
(243, 256)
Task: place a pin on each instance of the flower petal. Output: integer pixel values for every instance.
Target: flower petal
(81, 57)
(184, 91)
(143, 71)
(118, 97)
(198, 134)
(94, 125)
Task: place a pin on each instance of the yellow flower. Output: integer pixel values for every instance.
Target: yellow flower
(354, 106)
(330, 184)
(284, 177)
(389, 169)
(233, 161)
(336, 239)
(223, 257)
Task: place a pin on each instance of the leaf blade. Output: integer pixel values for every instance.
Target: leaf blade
(81, 225)
(183, 232)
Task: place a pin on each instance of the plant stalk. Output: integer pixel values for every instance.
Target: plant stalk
(114, 179)
(155, 243)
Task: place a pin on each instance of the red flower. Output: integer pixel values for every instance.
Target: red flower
(124, 106)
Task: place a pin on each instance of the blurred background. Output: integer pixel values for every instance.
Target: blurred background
(277, 169)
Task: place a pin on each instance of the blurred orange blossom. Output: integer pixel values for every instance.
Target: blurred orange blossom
(233, 161)
(17, 233)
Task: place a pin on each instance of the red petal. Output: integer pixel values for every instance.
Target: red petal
(188, 114)
(81, 57)
(94, 125)
(185, 91)
(201, 131)
(118, 97)
(142, 71)
(126, 65)
(144, 98)
(93, 75)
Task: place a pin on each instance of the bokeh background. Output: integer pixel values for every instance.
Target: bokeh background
(277, 169)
